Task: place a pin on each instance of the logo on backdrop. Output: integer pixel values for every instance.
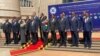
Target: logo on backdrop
(53, 10)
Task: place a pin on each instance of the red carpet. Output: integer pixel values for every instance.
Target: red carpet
(27, 49)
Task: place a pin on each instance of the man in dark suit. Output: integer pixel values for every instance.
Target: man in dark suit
(63, 28)
(7, 31)
(53, 28)
(34, 28)
(74, 27)
(42, 16)
(28, 21)
(15, 29)
(87, 30)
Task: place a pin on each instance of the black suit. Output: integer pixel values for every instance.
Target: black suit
(27, 30)
(53, 26)
(7, 31)
(15, 29)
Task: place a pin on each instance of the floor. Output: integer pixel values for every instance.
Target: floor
(59, 53)
(4, 50)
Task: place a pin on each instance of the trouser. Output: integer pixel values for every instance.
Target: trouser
(19, 37)
(75, 38)
(27, 36)
(34, 37)
(45, 38)
(87, 38)
(7, 36)
(63, 38)
(54, 40)
(15, 37)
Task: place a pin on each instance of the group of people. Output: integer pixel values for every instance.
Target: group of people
(27, 29)
(74, 24)
(21, 29)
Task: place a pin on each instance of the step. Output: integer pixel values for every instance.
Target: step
(75, 49)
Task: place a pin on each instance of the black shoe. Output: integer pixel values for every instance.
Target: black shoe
(65, 46)
(77, 45)
(89, 47)
(5, 44)
(59, 46)
(15, 43)
(52, 44)
(22, 44)
(55, 44)
(85, 47)
(72, 45)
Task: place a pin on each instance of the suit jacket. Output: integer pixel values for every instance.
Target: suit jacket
(35, 25)
(7, 27)
(74, 24)
(15, 27)
(28, 25)
(64, 24)
(53, 24)
(87, 26)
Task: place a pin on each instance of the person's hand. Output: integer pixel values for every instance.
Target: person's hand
(82, 30)
(68, 30)
(77, 29)
(65, 30)
(16, 32)
(56, 30)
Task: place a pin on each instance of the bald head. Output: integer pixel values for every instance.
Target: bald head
(73, 14)
(85, 13)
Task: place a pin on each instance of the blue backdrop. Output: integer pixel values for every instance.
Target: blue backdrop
(93, 7)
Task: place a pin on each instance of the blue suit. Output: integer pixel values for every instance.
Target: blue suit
(15, 29)
(87, 28)
(34, 29)
(74, 26)
(35, 25)
(80, 20)
(63, 26)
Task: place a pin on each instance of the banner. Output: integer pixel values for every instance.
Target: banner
(93, 8)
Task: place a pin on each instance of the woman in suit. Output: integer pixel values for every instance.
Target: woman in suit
(45, 30)
(22, 31)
